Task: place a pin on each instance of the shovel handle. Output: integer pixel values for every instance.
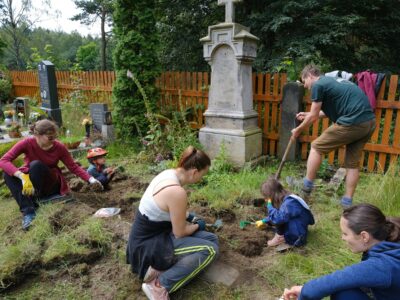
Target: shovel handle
(289, 145)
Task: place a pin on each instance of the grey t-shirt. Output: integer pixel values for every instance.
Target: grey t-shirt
(342, 102)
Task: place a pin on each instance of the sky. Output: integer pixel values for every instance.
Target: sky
(66, 9)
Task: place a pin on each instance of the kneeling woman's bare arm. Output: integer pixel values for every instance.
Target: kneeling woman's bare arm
(175, 201)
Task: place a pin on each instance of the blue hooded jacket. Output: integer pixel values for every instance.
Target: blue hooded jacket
(296, 215)
(379, 270)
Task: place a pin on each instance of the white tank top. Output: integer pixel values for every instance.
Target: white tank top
(147, 204)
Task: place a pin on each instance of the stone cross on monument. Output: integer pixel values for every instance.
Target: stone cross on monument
(229, 9)
(231, 120)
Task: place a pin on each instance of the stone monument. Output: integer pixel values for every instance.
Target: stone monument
(230, 49)
(48, 91)
(102, 121)
(21, 106)
(292, 100)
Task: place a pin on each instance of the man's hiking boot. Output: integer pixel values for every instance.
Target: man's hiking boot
(27, 220)
(154, 291)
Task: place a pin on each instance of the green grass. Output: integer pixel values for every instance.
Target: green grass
(59, 290)
(324, 253)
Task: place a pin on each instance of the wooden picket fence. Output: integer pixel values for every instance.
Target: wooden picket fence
(382, 150)
(188, 91)
(94, 86)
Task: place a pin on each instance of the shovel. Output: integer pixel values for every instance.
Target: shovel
(278, 173)
(243, 224)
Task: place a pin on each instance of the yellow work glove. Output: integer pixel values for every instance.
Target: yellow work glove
(27, 186)
(260, 224)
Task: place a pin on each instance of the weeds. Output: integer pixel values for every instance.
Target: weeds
(169, 140)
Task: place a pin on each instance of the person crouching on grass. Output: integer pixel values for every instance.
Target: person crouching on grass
(288, 212)
(366, 230)
(167, 247)
(98, 168)
(40, 176)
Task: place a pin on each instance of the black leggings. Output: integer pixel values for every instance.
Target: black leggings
(44, 181)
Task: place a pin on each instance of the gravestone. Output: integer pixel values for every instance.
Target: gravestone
(102, 121)
(48, 91)
(230, 49)
(292, 101)
(97, 112)
(21, 105)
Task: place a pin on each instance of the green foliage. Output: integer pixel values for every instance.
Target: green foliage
(74, 110)
(182, 23)
(49, 54)
(2, 47)
(5, 86)
(162, 141)
(325, 171)
(136, 50)
(87, 56)
(91, 11)
(332, 34)
(221, 164)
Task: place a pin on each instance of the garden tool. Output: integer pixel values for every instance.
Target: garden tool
(278, 173)
(217, 225)
(243, 224)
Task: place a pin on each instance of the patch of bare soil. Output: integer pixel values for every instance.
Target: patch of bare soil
(124, 193)
(105, 275)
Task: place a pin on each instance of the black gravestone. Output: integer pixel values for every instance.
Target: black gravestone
(48, 90)
(98, 112)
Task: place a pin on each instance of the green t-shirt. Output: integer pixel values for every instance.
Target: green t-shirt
(342, 102)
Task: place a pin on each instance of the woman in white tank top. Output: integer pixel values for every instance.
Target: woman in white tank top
(164, 247)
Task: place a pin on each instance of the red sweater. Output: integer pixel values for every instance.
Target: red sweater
(50, 158)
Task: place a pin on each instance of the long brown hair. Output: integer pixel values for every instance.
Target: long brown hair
(369, 218)
(193, 158)
(273, 189)
(45, 126)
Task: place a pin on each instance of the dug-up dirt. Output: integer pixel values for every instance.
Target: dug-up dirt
(104, 274)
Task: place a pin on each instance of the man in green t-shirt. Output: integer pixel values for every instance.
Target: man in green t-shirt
(348, 108)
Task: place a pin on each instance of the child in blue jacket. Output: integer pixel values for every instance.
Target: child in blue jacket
(366, 230)
(98, 168)
(288, 212)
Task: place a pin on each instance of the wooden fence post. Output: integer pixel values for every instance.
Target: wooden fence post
(292, 100)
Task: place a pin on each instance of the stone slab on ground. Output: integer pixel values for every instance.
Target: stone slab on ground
(337, 179)
(220, 272)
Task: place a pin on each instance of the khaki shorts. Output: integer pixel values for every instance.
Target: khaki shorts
(353, 136)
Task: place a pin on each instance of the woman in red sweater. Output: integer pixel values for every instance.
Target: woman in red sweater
(40, 175)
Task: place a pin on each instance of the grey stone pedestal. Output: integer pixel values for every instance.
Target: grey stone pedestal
(231, 120)
(108, 133)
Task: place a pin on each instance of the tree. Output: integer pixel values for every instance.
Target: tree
(136, 50)
(87, 57)
(2, 47)
(334, 33)
(182, 23)
(91, 11)
(15, 23)
(17, 19)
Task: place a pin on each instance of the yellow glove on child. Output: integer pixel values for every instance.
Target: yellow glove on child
(260, 224)
(27, 186)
